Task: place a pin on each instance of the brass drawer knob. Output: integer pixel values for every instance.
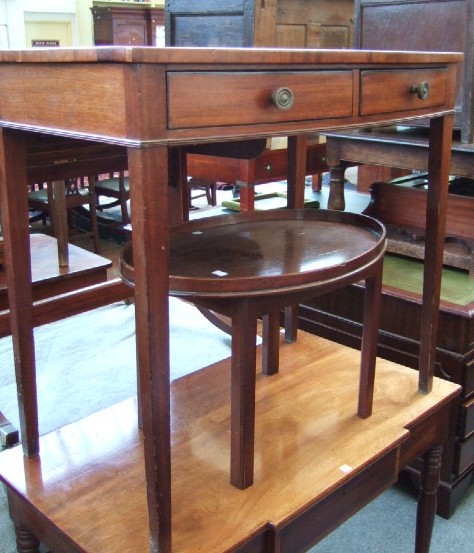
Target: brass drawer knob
(283, 98)
(422, 90)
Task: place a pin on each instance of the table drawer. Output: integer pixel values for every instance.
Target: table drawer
(214, 99)
(466, 418)
(392, 91)
(464, 457)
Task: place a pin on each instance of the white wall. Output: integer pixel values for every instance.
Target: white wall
(14, 13)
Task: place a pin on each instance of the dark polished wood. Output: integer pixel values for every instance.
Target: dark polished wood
(131, 25)
(49, 279)
(252, 265)
(314, 468)
(401, 208)
(52, 158)
(273, 23)
(158, 103)
(60, 292)
(269, 166)
(394, 146)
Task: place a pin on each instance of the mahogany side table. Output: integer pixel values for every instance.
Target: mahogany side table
(250, 266)
(160, 99)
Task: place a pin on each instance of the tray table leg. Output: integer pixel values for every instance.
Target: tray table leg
(271, 343)
(291, 323)
(373, 288)
(244, 350)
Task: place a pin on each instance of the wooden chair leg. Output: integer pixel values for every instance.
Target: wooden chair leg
(93, 213)
(244, 350)
(373, 288)
(214, 194)
(59, 225)
(123, 199)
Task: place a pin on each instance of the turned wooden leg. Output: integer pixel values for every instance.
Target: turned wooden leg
(336, 198)
(427, 498)
(271, 343)
(244, 351)
(373, 287)
(25, 541)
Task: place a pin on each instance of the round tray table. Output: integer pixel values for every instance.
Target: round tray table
(252, 265)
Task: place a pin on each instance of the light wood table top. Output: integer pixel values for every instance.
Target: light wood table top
(89, 480)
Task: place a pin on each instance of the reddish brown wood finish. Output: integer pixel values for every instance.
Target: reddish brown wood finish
(269, 166)
(14, 201)
(252, 265)
(127, 25)
(138, 115)
(48, 279)
(315, 465)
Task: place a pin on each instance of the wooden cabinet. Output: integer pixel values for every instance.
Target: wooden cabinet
(435, 25)
(130, 26)
(281, 23)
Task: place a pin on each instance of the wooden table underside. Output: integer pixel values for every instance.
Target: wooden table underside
(269, 166)
(157, 102)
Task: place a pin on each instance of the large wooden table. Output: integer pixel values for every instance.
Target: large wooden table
(404, 147)
(151, 99)
(317, 462)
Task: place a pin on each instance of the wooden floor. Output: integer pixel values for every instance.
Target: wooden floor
(89, 480)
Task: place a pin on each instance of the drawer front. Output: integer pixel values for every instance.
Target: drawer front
(214, 99)
(466, 418)
(312, 522)
(464, 455)
(468, 385)
(396, 91)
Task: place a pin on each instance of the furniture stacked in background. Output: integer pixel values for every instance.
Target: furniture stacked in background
(60, 269)
(131, 24)
(357, 79)
(55, 199)
(424, 25)
(437, 25)
(237, 23)
(270, 165)
(273, 23)
(115, 189)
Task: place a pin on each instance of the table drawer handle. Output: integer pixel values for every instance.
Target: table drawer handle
(422, 90)
(283, 98)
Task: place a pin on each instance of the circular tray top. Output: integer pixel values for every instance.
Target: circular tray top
(266, 252)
